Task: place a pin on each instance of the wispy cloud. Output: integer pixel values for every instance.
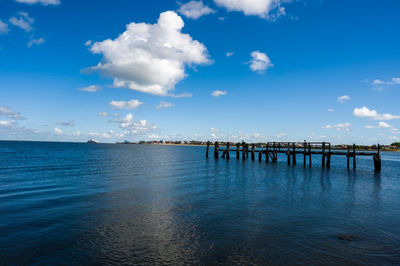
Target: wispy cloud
(339, 127)
(218, 93)
(22, 21)
(132, 104)
(343, 99)
(4, 28)
(43, 2)
(380, 125)
(164, 104)
(91, 88)
(195, 9)
(66, 123)
(35, 42)
(8, 112)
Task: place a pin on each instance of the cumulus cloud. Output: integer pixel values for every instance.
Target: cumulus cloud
(268, 9)
(43, 2)
(343, 99)
(91, 88)
(164, 104)
(260, 61)
(339, 127)
(66, 123)
(8, 112)
(380, 125)
(35, 42)
(58, 131)
(195, 9)
(23, 21)
(134, 127)
(4, 28)
(218, 93)
(150, 58)
(370, 113)
(132, 104)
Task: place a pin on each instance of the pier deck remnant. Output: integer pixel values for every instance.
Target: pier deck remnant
(291, 149)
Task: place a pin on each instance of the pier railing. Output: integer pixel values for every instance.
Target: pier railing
(270, 151)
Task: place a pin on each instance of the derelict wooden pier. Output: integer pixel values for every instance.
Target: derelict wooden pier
(269, 152)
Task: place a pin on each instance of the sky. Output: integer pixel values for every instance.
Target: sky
(227, 70)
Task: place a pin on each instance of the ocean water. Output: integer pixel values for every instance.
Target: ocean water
(70, 203)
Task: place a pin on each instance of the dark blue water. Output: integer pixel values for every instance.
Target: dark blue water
(66, 203)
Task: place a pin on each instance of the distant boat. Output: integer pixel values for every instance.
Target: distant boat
(92, 141)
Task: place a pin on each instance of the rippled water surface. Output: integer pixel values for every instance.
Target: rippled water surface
(69, 203)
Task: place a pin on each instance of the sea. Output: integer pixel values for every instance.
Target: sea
(116, 204)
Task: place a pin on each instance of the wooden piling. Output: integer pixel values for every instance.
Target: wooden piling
(294, 154)
(348, 157)
(216, 150)
(267, 153)
(328, 158)
(247, 150)
(243, 150)
(354, 156)
(309, 154)
(323, 154)
(259, 156)
(252, 152)
(237, 150)
(304, 154)
(227, 151)
(208, 147)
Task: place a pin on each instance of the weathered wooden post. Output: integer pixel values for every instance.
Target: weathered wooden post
(323, 154)
(309, 152)
(348, 157)
(288, 153)
(227, 150)
(354, 156)
(252, 152)
(304, 153)
(267, 152)
(216, 150)
(247, 150)
(237, 150)
(328, 159)
(260, 155)
(294, 154)
(244, 150)
(208, 147)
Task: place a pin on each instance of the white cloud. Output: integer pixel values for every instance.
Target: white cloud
(366, 112)
(218, 93)
(280, 135)
(23, 21)
(182, 95)
(77, 133)
(43, 2)
(331, 110)
(4, 28)
(58, 131)
(195, 9)
(6, 123)
(8, 112)
(229, 54)
(134, 127)
(396, 80)
(103, 114)
(66, 123)
(269, 9)
(35, 42)
(150, 58)
(164, 105)
(91, 88)
(260, 61)
(377, 82)
(88, 43)
(380, 125)
(339, 127)
(132, 104)
(343, 99)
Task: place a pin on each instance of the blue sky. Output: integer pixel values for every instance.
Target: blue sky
(254, 70)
